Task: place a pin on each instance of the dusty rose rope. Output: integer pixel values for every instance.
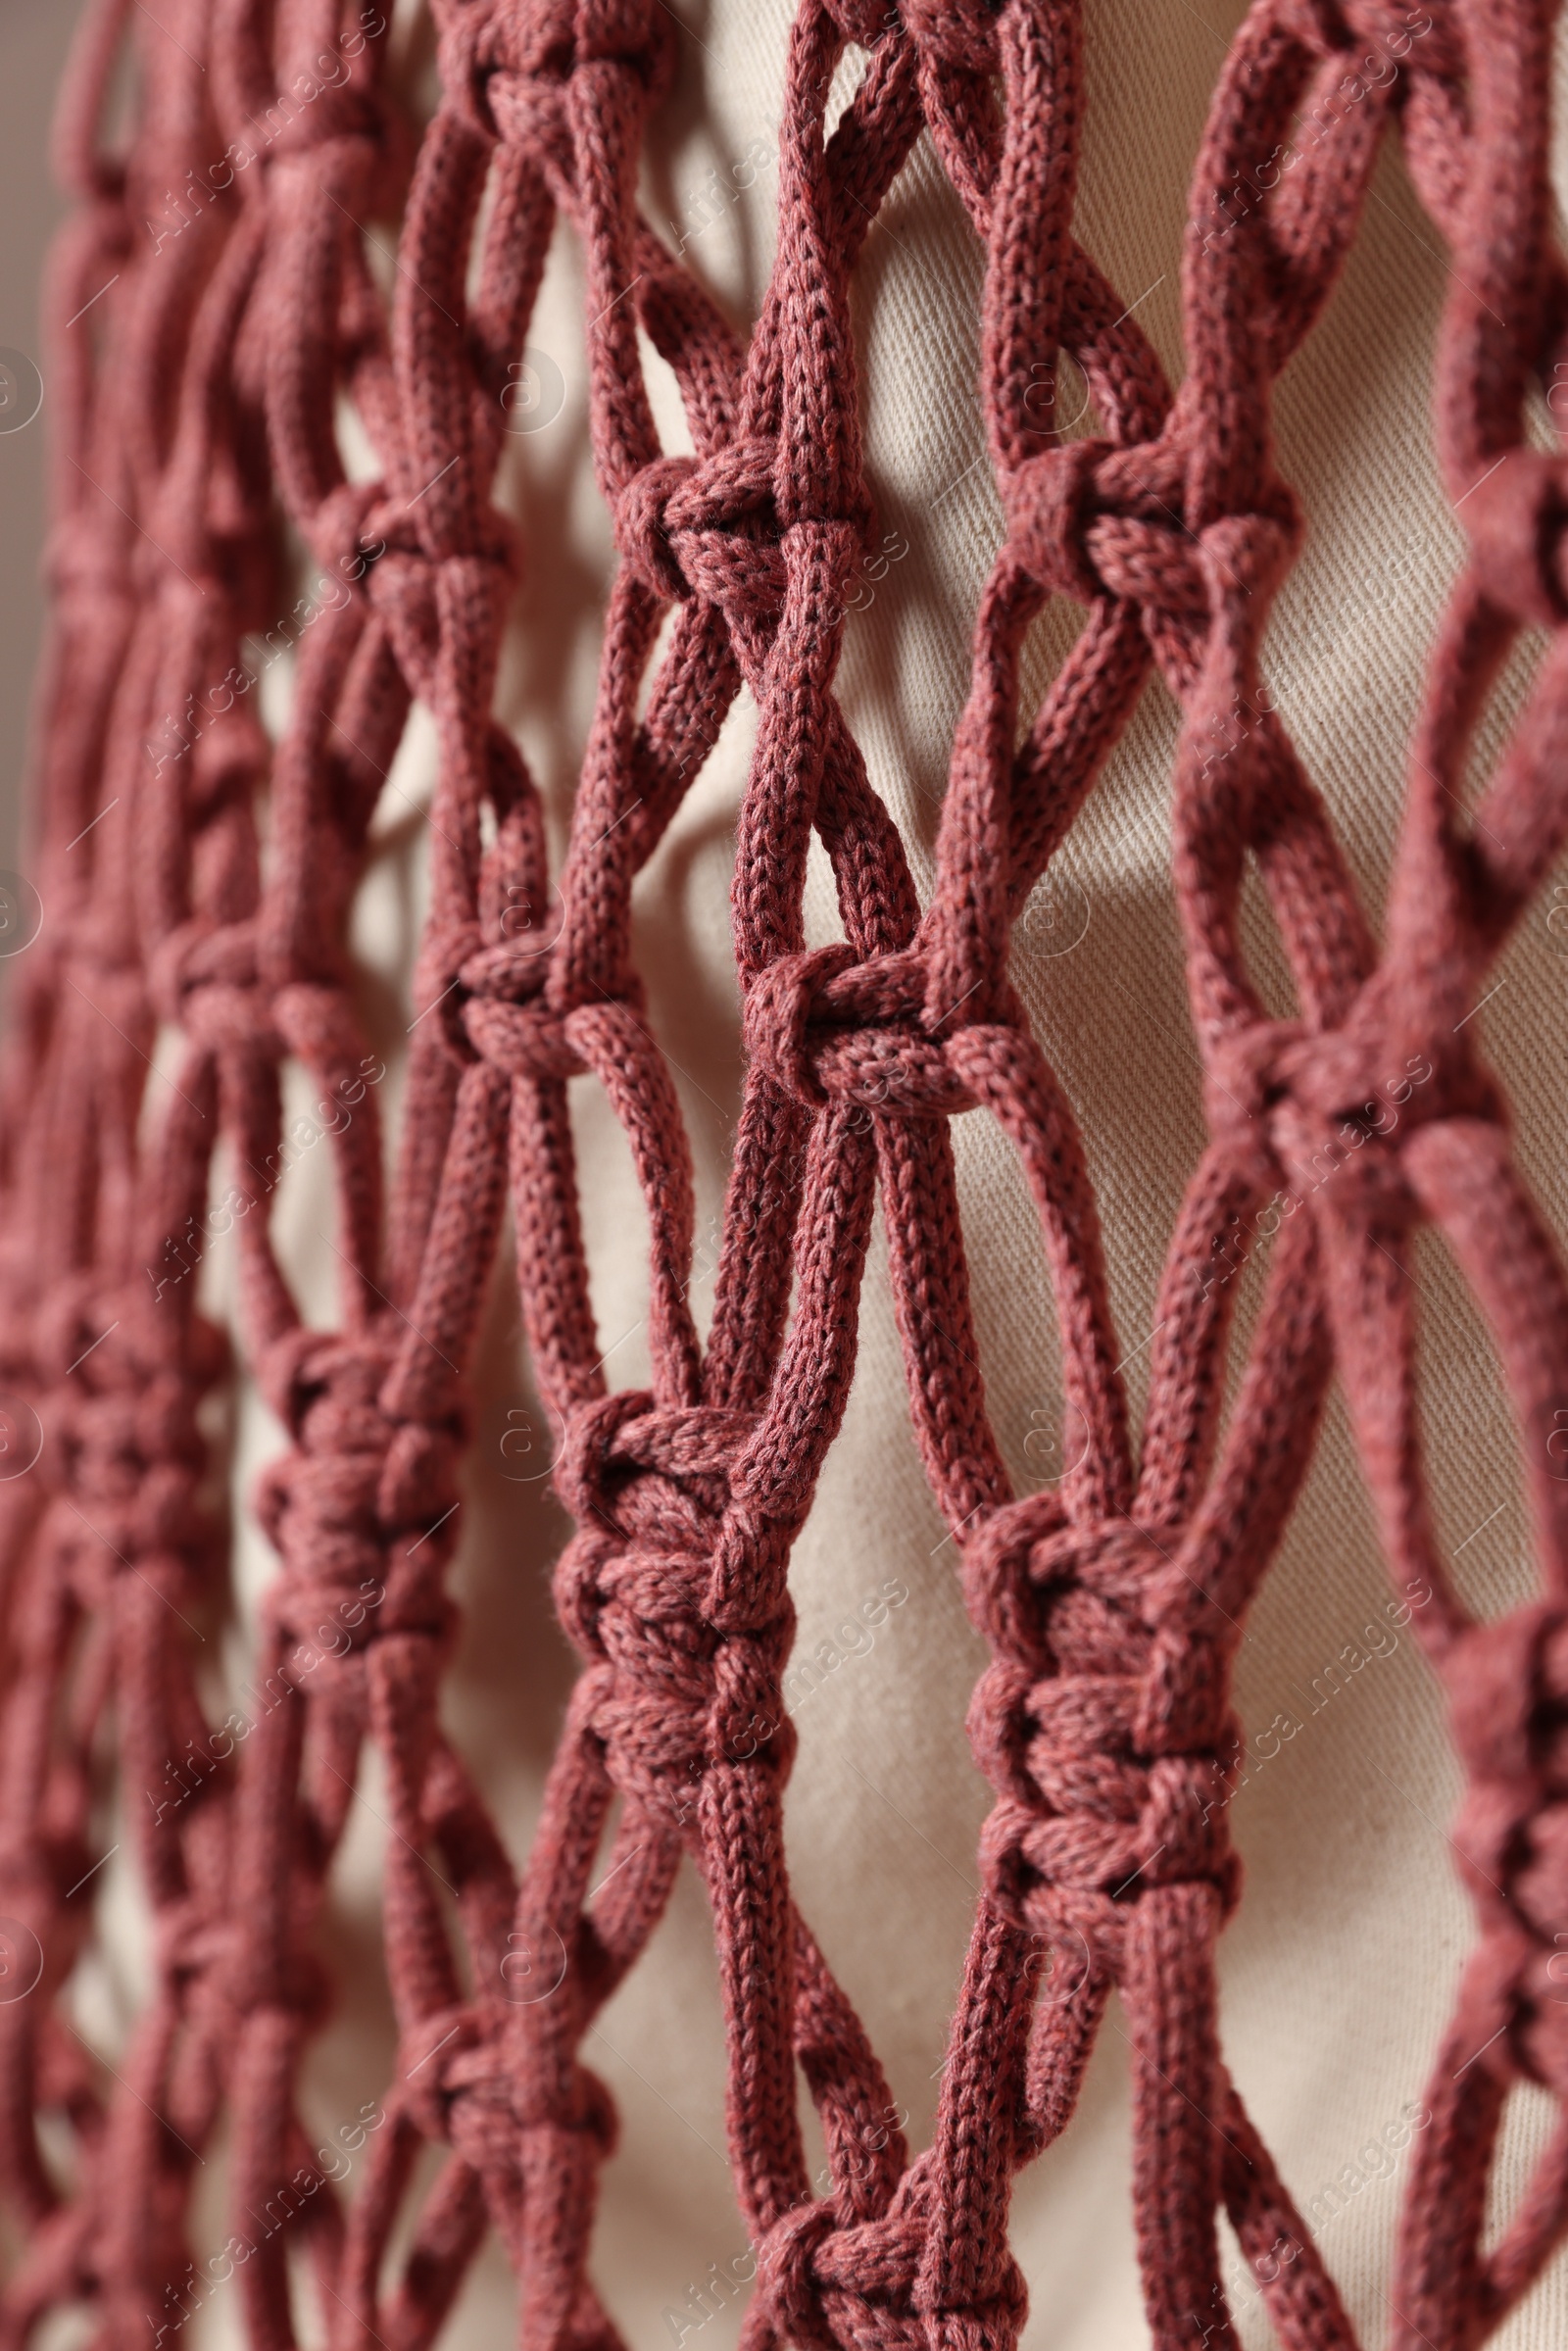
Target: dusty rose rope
(201, 405)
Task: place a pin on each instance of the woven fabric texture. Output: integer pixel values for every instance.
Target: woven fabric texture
(203, 934)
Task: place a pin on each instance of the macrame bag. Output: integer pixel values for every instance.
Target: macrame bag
(201, 868)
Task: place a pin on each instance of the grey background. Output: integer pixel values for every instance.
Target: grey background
(34, 36)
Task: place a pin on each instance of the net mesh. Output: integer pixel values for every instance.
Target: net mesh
(201, 872)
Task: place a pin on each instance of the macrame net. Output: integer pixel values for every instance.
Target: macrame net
(200, 886)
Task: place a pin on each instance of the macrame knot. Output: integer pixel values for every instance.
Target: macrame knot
(1507, 1685)
(1153, 564)
(651, 1490)
(488, 1004)
(637, 34)
(958, 34)
(1297, 1110)
(836, 2287)
(999, 1587)
(408, 559)
(343, 537)
(827, 1027)
(1515, 515)
(452, 2084)
(786, 2279)
(358, 1511)
(708, 527)
(132, 1457)
(1087, 522)
(1243, 558)
(778, 1007)
(863, 22)
(1049, 502)
(67, 1323)
(1102, 1722)
(203, 979)
(1035, 1580)
(121, 1423)
(557, 37)
(479, 562)
(504, 1018)
(1246, 1076)
(467, 53)
(642, 526)
(194, 1939)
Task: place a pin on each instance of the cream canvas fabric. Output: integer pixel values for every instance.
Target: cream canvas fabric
(1337, 1969)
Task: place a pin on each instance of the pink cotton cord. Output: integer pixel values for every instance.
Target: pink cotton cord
(201, 879)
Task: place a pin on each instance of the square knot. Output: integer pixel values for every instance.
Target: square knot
(487, 1001)
(1049, 1592)
(473, 45)
(461, 2086)
(343, 533)
(709, 527)
(1153, 565)
(1515, 515)
(1087, 1808)
(636, 34)
(100, 1341)
(1089, 519)
(67, 1321)
(630, 1464)
(837, 2287)
(363, 1503)
(499, 1013)
(1507, 1685)
(1051, 500)
(957, 35)
(450, 2056)
(306, 1368)
(546, 42)
(203, 979)
(650, 1488)
(827, 1027)
(786, 2276)
(644, 525)
(1293, 1108)
(129, 1450)
(468, 542)
(863, 22)
(409, 552)
(1101, 1725)
(193, 1938)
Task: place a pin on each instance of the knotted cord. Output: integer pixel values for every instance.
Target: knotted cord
(201, 876)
